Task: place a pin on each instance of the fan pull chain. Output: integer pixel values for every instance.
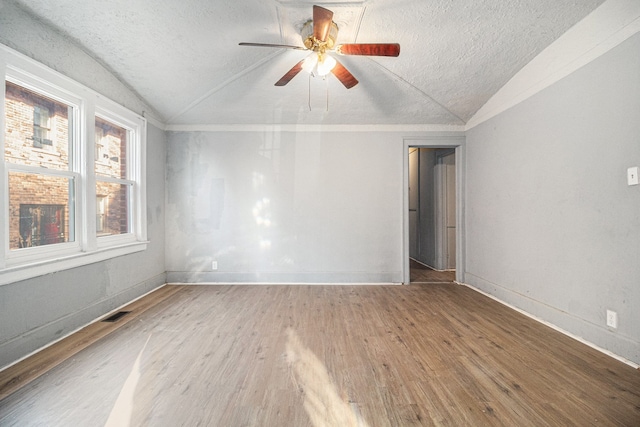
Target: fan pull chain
(326, 80)
(309, 101)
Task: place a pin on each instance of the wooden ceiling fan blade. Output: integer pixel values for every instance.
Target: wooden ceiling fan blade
(344, 75)
(282, 46)
(290, 74)
(322, 19)
(369, 49)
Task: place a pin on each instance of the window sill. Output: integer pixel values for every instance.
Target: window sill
(39, 268)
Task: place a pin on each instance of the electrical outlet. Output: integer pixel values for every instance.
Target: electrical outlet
(632, 176)
(612, 319)
(214, 265)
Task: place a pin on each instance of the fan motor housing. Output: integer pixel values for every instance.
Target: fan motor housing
(311, 43)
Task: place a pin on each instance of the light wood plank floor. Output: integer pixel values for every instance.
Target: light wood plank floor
(437, 354)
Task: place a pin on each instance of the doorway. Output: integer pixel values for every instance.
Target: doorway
(433, 212)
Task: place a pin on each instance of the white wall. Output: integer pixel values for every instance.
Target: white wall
(36, 312)
(552, 226)
(332, 202)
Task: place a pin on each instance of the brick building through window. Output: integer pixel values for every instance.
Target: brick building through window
(41, 204)
(112, 204)
(37, 134)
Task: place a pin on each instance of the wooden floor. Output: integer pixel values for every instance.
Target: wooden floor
(420, 273)
(438, 354)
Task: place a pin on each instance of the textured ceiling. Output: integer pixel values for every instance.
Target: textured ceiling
(183, 59)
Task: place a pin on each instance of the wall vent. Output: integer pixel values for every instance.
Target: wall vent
(116, 316)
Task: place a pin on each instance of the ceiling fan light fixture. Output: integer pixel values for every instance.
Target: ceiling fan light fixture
(319, 36)
(325, 65)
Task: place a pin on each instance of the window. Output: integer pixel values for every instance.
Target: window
(112, 183)
(36, 177)
(57, 213)
(41, 225)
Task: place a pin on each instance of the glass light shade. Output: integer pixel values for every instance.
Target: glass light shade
(326, 65)
(310, 62)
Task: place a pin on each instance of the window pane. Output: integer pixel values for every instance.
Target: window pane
(111, 149)
(36, 129)
(112, 208)
(40, 210)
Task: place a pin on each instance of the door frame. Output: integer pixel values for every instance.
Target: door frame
(456, 142)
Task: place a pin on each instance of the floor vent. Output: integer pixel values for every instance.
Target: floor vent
(116, 316)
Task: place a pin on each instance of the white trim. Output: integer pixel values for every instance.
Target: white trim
(37, 170)
(4, 174)
(314, 128)
(602, 30)
(554, 327)
(154, 121)
(112, 180)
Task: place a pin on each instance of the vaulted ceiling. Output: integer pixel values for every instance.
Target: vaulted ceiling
(183, 59)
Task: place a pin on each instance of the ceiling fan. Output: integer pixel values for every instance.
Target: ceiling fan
(319, 36)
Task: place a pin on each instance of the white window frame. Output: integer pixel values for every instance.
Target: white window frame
(117, 115)
(87, 248)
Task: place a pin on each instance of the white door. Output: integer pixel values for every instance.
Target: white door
(446, 210)
(414, 187)
(449, 162)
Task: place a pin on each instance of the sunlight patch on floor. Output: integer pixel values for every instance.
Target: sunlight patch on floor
(321, 398)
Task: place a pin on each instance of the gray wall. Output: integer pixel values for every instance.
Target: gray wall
(285, 206)
(552, 226)
(35, 312)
